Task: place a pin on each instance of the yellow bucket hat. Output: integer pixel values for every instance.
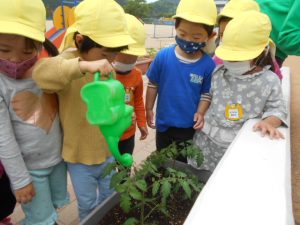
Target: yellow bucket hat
(23, 17)
(101, 20)
(137, 32)
(235, 7)
(245, 37)
(197, 11)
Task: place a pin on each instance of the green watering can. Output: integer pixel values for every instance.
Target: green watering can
(105, 101)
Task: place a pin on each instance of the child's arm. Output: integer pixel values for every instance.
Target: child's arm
(150, 100)
(274, 112)
(269, 126)
(56, 73)
(199, 115)
(139, 109)
(12, 160)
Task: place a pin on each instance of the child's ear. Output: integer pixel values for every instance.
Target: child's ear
(78, 40)
(213, 35)
(211, 44)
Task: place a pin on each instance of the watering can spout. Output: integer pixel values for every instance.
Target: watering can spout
(125, 159)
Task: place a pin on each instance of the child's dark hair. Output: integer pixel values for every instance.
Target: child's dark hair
(209, 29)
(47, 44)
(224, 18)
(87, 44)
(50, 48)
(263, 60)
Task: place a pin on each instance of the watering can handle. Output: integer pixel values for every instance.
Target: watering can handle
(97, 76)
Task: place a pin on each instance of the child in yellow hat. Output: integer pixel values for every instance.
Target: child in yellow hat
(30, 133)
(99, 33)
(180, 75)
(243, 88)
(231, 10)
(131, 77)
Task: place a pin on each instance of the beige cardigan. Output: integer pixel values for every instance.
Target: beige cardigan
(82, 142)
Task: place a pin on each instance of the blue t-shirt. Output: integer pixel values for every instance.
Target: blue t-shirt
(180, 86)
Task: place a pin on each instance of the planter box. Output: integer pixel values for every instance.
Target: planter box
(143, 64)
(99, 212)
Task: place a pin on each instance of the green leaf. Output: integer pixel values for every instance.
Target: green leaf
(117, 178)
(165, 189)
(171, 170)
(108, 169)
(199, 159)
(186, 187)
(196, 185)
(181, 174)
(142, 185)
(135, 194)
(163, 209)
(120, 188)
(155, 188)
(131, 221)
(154, 168)
(125, 203)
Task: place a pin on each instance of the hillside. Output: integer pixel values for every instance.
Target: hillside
(163, 8)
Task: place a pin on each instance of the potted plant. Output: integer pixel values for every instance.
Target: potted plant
(144, 62)
(149, 192)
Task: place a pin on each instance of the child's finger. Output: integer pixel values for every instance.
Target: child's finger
(255, 127)
(198, 125)
(279, 135)
(263, 131)
(272, 134)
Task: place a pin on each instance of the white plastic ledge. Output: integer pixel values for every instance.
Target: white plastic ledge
(252, 183)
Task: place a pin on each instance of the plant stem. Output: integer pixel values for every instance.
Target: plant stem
(143, 209)
(149, 213)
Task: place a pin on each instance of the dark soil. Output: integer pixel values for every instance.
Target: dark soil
(178, 211)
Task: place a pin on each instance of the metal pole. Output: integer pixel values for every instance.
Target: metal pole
(63, 14)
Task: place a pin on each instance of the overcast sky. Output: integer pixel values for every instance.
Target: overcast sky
(151, 1)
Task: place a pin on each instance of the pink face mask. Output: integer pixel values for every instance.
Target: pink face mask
(16, 70)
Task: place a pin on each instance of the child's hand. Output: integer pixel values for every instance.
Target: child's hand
(92, 67)
(144, 133)
(25, 194)
(150, 119)
(266, 128)
(199, 119)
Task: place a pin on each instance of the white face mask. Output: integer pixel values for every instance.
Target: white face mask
(122, 67)
(238, 68)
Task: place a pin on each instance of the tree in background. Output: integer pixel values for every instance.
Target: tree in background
(163, 8)
(121, 2)
(138, 8)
